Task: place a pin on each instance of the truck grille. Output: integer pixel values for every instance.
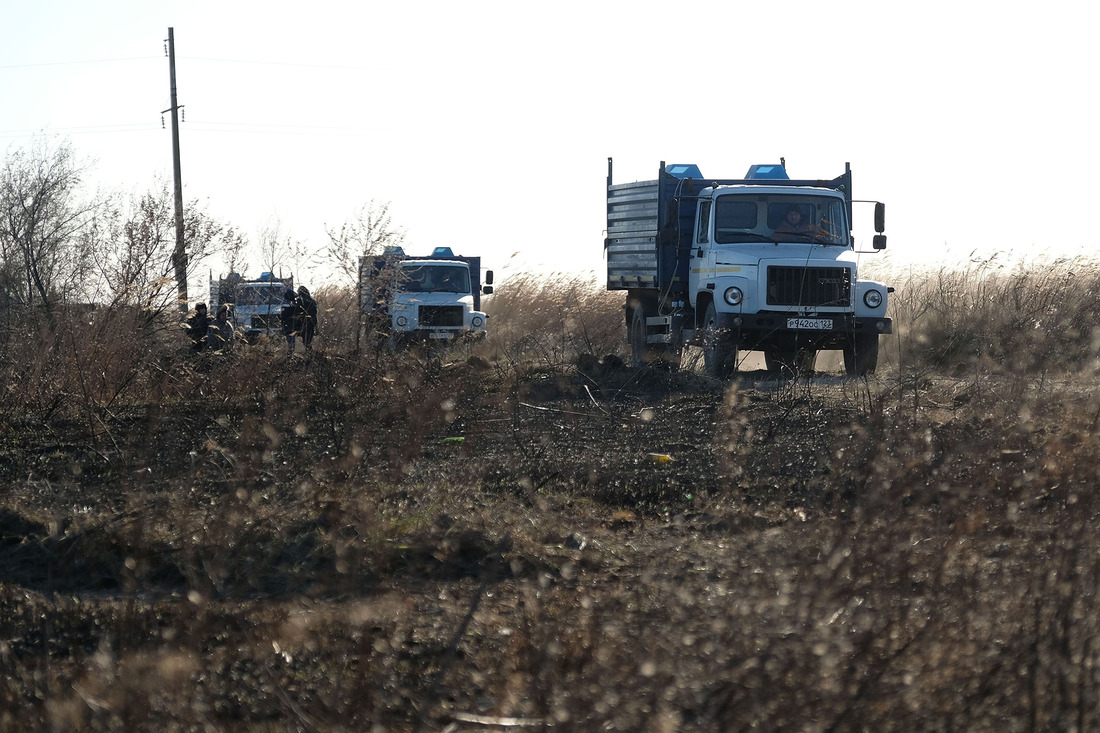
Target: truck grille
(809, 286)
(267, 321)
(440, 315)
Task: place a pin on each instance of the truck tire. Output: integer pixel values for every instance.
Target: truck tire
(643, 353)
(791, 361)
(861, 356)
(719, 355)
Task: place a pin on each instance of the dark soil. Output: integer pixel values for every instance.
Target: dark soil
(466, 546)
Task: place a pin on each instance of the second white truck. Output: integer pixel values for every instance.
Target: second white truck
(255, 305)
(433, 298)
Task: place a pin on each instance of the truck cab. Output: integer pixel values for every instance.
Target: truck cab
(433, 298)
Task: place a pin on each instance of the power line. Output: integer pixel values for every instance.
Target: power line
(260, 128)
(275, 63)
(82, 129)
(200, 126)
(77, 62)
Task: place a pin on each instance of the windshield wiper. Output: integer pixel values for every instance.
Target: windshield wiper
(749, 237)
(827, 241)
(808, 238)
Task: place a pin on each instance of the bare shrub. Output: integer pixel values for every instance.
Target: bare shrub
(82, 360)
(338, 318)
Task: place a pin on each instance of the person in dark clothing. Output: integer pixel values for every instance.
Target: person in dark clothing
(793, 223)
(220, 335)
(308, 311)
(291, 316)
(197, 326)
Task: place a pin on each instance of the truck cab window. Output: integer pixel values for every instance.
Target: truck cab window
(451, 279)
(734, 220)
(833, 223)
(412, 279)
(703, 235)
(821, 221)
(435, 278)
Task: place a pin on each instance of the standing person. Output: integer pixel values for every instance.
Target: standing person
(291, 316)
(197, 326)
(220, 335)
(308, 309)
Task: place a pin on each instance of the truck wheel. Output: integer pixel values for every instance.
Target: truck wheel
(792, 361)
(643, 353)
(861, 356)
(719, 356)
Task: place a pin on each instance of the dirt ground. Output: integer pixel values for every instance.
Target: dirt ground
(471, 546)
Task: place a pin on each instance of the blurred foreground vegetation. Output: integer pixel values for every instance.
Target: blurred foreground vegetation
(524, 533)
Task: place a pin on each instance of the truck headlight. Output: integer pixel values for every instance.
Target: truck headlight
(733, 296)
(402, 321)
(872, 298)
(476, 321)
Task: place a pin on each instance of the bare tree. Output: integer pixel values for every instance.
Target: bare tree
(278, 248)
(44, 259)
(134, 248)
(368, 232)
(233, 252)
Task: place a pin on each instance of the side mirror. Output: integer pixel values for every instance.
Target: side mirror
(880, 220)
(487, 290)
(488, 277)
(880, 241)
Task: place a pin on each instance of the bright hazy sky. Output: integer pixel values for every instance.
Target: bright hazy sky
(488, 125)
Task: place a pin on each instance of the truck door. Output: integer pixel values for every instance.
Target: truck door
(701, 265)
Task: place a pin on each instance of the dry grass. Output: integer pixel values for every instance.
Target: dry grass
(489, 535)
(1020, 318)
(552, 320)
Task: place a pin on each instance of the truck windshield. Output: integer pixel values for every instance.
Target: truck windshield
(435, 278)
(260, 295)
(780, 218)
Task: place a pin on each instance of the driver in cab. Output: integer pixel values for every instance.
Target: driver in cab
(793, 223)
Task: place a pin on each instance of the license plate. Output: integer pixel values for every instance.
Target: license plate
(810, 324)
(440, 335)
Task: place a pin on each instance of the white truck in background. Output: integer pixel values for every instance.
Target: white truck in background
(255, 306)
(436, 298)
(762, 263)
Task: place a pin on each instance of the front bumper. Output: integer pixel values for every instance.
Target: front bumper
(438, 334)
(751, 330)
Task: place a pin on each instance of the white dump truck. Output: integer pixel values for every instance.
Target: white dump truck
(763, 263)
(432, 298)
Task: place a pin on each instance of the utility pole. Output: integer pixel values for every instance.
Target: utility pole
(179, 255)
